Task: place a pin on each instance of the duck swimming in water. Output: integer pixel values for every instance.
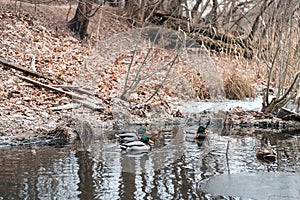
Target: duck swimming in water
(202, 131)
(143, 145)
(125, 137)
(265, 154)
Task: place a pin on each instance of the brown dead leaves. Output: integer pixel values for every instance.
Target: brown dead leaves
(26, 39)
(35, 43)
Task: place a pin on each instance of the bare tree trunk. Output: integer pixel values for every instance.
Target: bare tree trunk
(142, 11)
(211, 18)
(80, 21)
(256, 21)
(196, 7)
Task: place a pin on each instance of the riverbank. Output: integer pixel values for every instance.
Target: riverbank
(39, 100)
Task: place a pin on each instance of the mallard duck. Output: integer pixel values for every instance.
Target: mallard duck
(142, 130)
(155, 134)
(265, 154)
(202, 131)
(125, 137)
(142, 145)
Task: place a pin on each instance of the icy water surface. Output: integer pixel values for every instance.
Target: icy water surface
(224, 166)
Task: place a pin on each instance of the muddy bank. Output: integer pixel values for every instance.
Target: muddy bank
(65, 129)
(24, 131)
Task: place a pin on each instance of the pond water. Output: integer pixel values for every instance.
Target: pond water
(224, 166)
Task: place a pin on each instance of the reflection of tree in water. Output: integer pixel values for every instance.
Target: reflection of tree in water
(178, 168)
(85, 173)
(172, 180)
(286, 143)
(40, 172)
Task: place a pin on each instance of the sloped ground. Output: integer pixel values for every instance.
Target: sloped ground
(38, 39)
(40, 36)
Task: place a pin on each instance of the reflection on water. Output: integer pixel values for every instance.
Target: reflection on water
(179, 168)
(38, 173)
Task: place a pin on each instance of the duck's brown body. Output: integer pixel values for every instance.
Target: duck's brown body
(265, 154)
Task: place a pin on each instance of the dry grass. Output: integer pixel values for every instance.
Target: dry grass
(240, 76)
(236, 87)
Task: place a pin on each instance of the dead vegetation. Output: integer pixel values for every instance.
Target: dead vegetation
(237, 87)
(35, 44)
(36, 37)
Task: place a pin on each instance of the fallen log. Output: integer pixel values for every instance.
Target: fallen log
(75, 88)
(6, 63)
(64, 107)
(207, 35)
(85, 101)
(73, 95)
(90, 105)
(287, 114)
(221, 46)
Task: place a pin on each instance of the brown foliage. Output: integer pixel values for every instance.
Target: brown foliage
(236, 87)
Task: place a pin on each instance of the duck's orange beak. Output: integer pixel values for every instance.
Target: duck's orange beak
(206, 131)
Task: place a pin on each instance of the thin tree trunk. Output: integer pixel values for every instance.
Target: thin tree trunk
(80, 21)
(196, 7)
(175, 8)
(211, 18)
(256, 21)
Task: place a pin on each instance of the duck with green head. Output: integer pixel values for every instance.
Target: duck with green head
(143, 145)
(125, 136)
(202, 131)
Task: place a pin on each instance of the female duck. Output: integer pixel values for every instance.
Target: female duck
(265, 154)
(143, 145)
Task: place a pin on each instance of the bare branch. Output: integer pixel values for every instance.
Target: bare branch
(165, 78)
